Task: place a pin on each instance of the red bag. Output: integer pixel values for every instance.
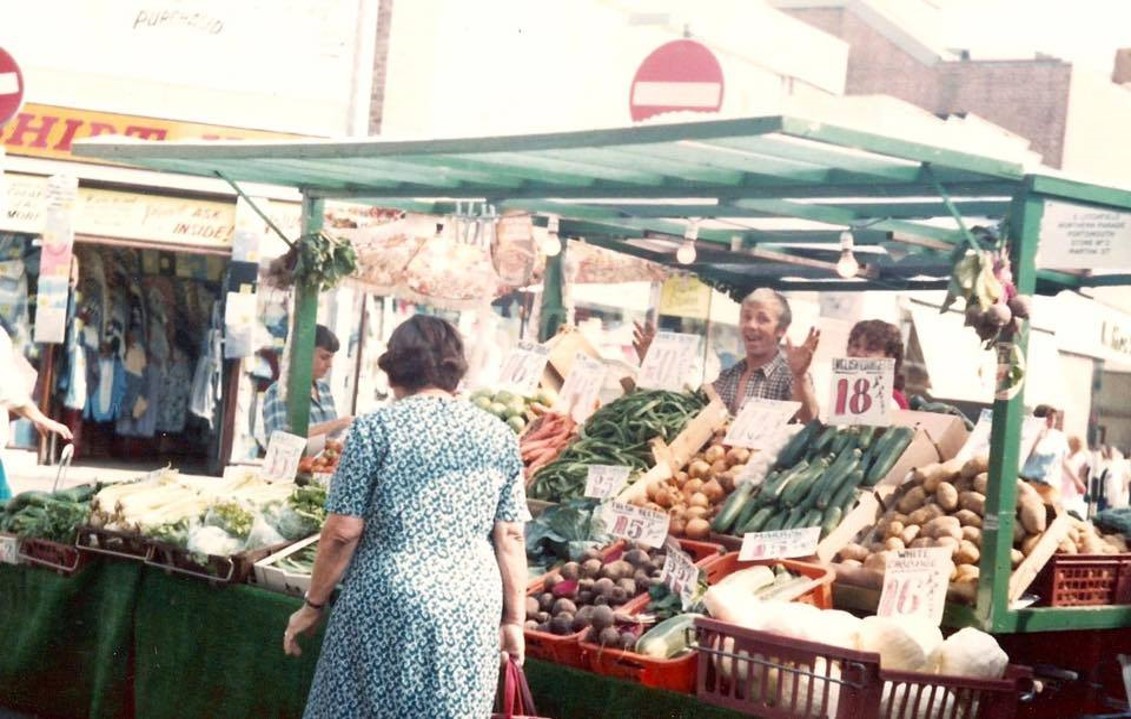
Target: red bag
(516, 699)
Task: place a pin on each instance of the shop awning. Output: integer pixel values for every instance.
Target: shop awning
(770, 196)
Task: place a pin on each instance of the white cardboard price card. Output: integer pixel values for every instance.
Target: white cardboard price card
(667, 362)
(637, 524)
(680, 573)
(284, 451)
(759, 423)
(861, 391)
(522, 369)
(605, 480)
(582, 386)
(979, 440)
(9, 549)
(782, 544)
(915, 583)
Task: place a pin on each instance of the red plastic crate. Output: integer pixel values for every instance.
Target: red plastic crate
(1081, 580)
(566, 649)
(820, 594)
(776, 677)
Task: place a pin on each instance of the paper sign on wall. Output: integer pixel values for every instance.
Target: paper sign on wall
(915, 583)
(861, 391)
(760, 422)
(669, 358)
(582, 387)
(1077, 237)
(522, 369)
(284, 450)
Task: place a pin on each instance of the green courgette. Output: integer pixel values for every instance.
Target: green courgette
(889, 455)
(799, 488)
(772, 490)
(732, 508)
(837, 475)
(668, 639)
(30, 498)
(758, 521)
(795, 448)
(830, 520)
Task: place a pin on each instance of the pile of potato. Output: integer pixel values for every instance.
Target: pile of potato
(1084, 538)
(693, 496)
(943, 505)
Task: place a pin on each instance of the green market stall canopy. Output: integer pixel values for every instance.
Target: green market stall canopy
(769, 198)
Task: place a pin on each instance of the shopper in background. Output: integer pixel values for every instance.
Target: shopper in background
(1114, 474)
(769, 370)
(324, 419)
(876, 338)
(1044, 467)
(426, 511)
(14, 398)
(1074, 477)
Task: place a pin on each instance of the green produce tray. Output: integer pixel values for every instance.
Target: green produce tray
(265, 574)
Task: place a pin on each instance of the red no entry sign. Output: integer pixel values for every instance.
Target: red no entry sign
(11, 87)
(679, 75)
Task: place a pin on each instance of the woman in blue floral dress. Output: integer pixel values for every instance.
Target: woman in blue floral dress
(425, 524)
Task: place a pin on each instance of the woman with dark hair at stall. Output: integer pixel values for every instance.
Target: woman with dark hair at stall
(425, 524)
(876, 338)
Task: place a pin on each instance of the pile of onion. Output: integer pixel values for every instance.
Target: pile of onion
(693, 496)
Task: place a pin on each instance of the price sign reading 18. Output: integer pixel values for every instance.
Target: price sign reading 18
(861, 391)
(637, 524)
(523, 367)
(915, 583)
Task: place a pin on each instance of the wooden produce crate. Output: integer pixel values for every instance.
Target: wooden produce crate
(268, 575)
(65, 559)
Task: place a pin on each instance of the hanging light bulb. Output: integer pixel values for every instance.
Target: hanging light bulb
(847, 266)
(685, 255)
(551, 243)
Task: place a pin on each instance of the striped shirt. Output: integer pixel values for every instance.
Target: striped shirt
(772, 380)
(322, 408)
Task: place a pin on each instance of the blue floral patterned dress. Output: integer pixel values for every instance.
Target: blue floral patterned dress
(415, 631)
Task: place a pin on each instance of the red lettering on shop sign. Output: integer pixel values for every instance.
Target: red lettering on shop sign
(24, 125)
(45, 131)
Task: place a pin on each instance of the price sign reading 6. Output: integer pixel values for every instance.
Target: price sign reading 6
(915, 583)
(861, 390)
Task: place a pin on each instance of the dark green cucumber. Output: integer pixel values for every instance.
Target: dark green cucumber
(837, 475)
(881, 439)
(772, 490)
(891, 453)
(757, 521)
(776, 521)
(845, 438)
(795, 448)
(793, 520)
(830, 520)
(748, 509)
(823, 441)
(864, 439)
(845, 496)
(812, 518)
(799, 488)
(732, 508)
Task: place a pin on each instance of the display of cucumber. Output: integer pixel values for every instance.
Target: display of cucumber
(837, 475)
(889, 454)
(771, 491)
(732, 508)
(800, 487)
(831, 520)
(758, 521)
(795, 449)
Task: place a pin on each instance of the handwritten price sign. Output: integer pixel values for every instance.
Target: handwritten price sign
(284, 451)
(636, 524)
(667, 362)
(680, 574)
(522, 369)
(759, 422)
(604, 480)
(781, 544)
(582, 386)
(861, 391)
(915, 583)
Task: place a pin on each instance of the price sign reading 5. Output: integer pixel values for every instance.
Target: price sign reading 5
(637, 524)
(915, 583)
(861, 391)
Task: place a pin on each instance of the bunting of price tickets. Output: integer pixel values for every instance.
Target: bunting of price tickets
(915, 583)
(680, 573)
(582, 386)
(782, 544)
(604, 481)
(522, 369)
(637, 524)
(759, 422)
(668, 361)
(861, 391)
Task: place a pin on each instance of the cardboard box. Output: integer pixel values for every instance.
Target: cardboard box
(564, 347)
(946, 431)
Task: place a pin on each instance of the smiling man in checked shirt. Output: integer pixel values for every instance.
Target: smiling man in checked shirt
(770, 370)
(324, 419)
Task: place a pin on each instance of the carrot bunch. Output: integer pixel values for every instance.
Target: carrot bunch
(545, 440)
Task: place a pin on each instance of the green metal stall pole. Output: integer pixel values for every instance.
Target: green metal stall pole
(553, 313)
(300, 363)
